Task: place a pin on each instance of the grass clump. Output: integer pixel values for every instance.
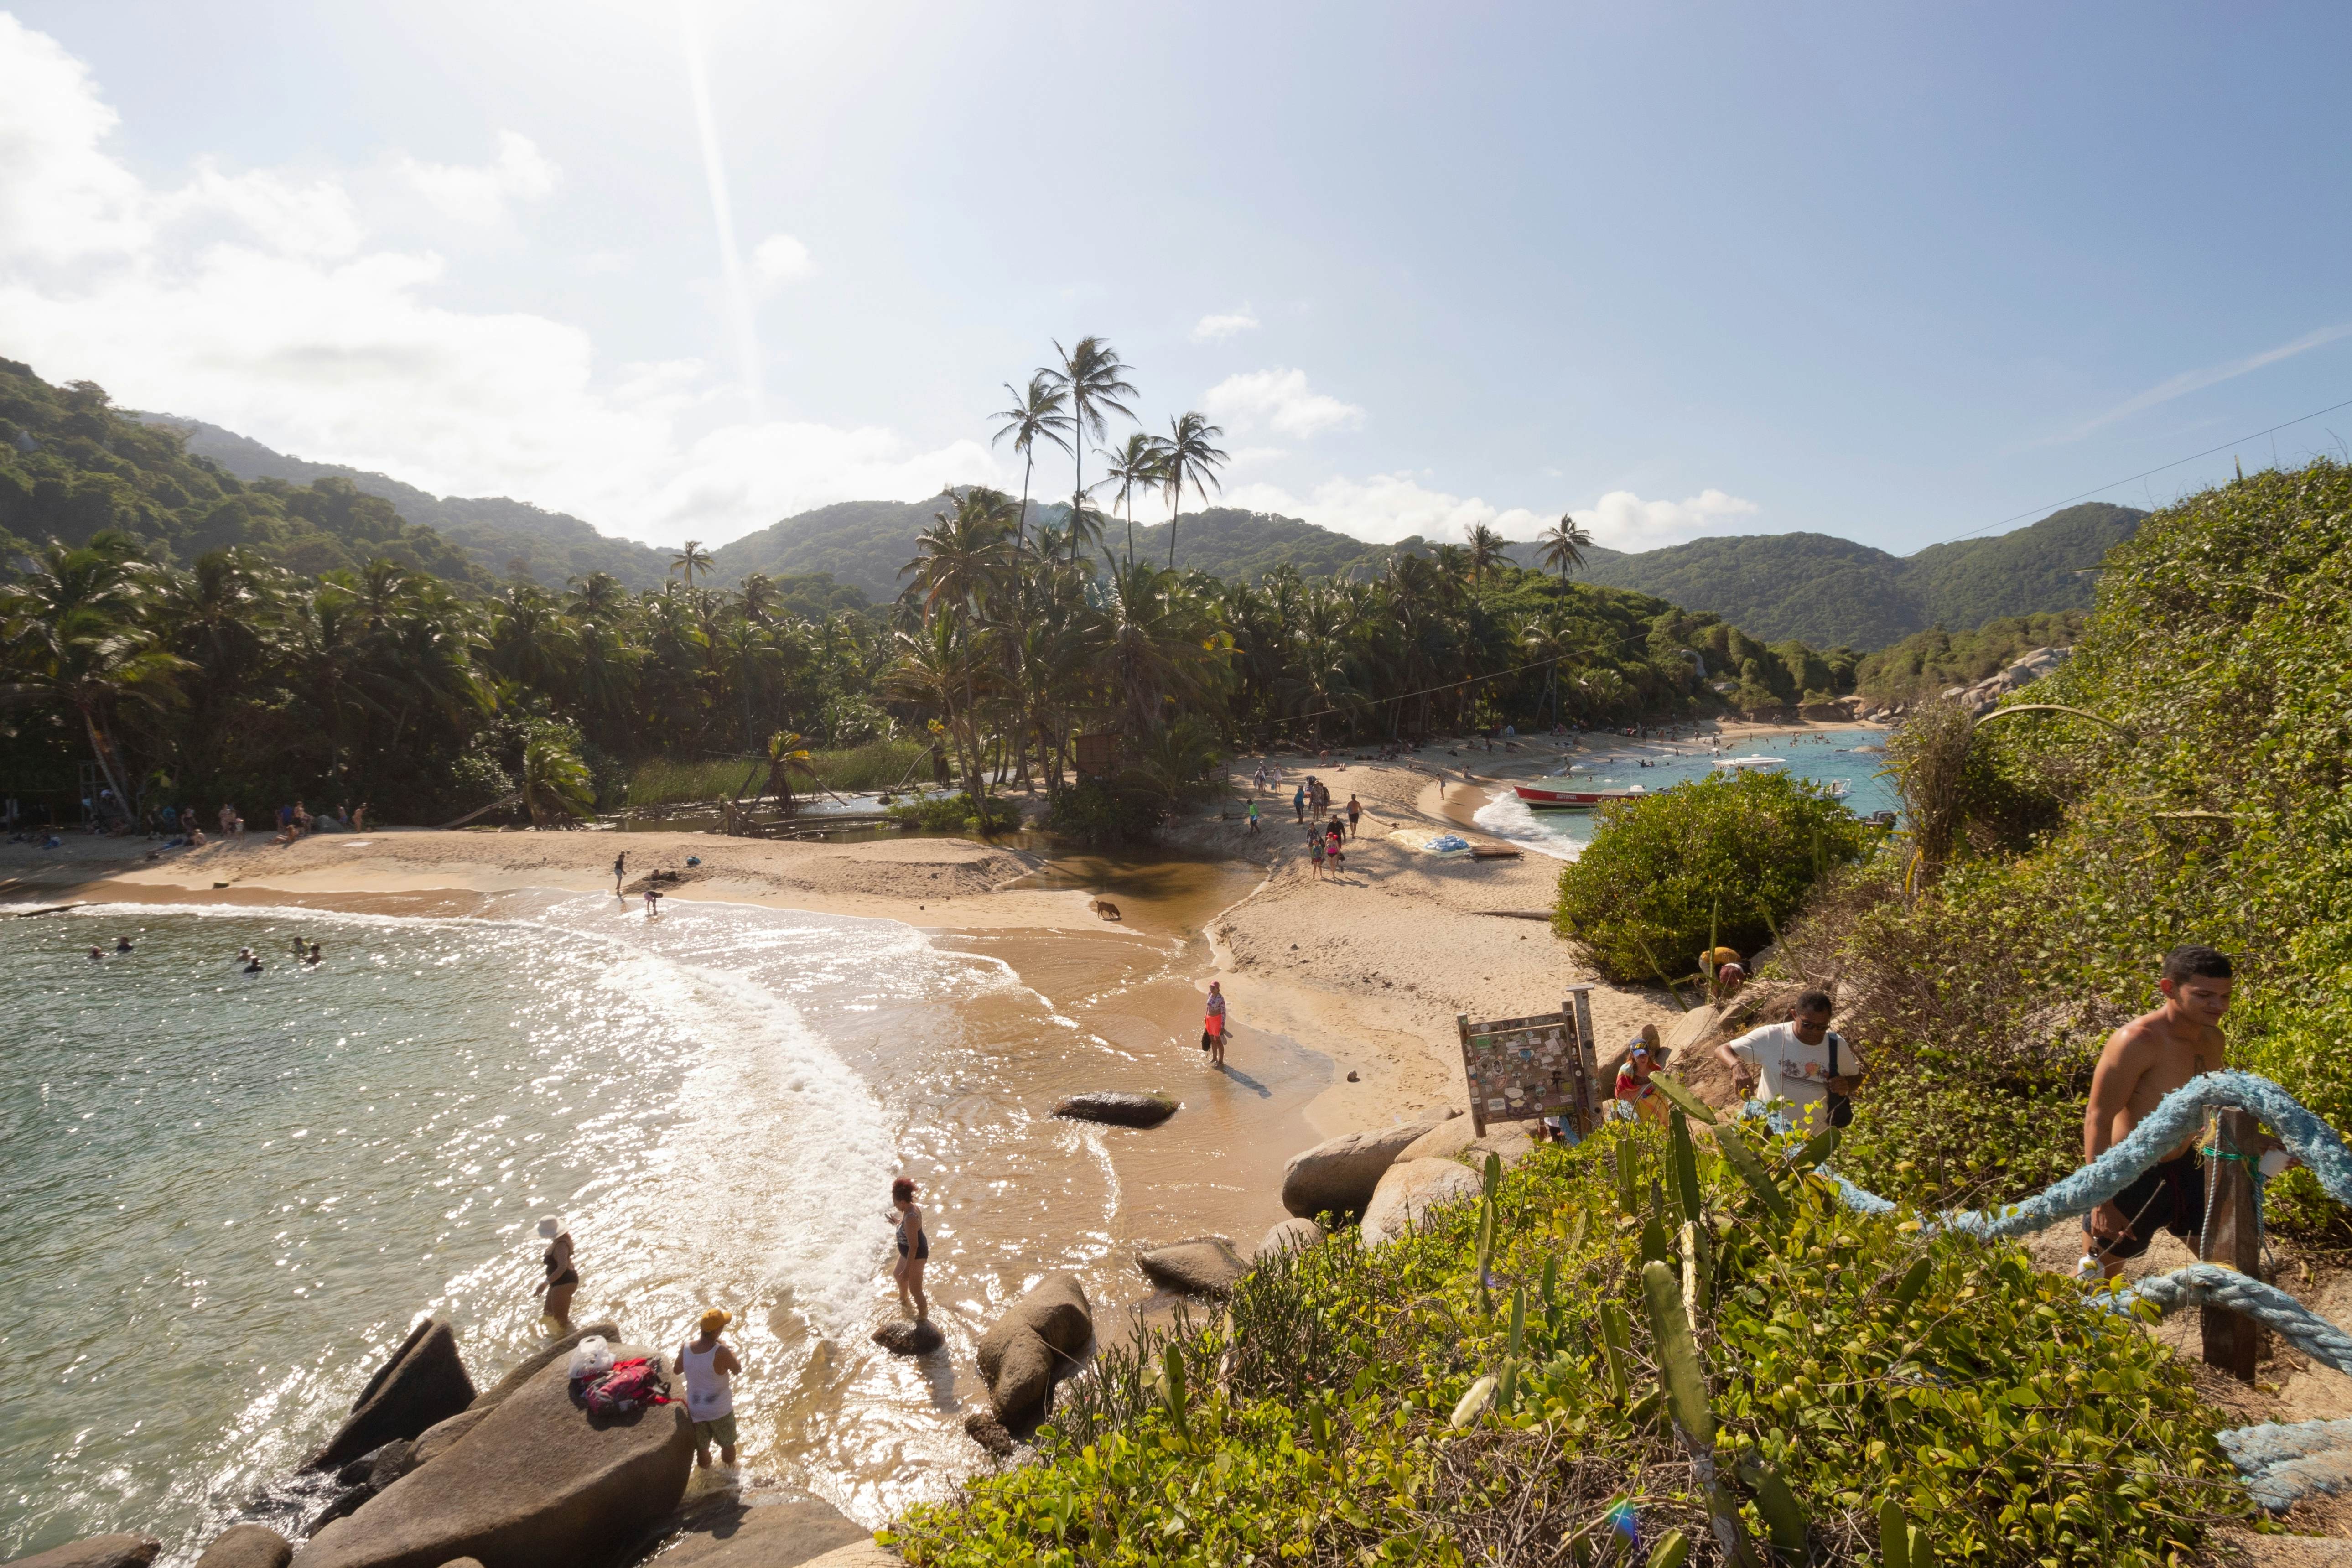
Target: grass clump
(1726, 858)
(1501, 1388)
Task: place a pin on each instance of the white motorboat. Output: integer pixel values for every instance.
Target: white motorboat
(1746, 764)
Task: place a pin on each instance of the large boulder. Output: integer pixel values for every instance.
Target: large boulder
(536, 1482)
(1116, 1109)
(96, 1552)
(1205, 1266)
(1408, 1190)
(1339, 1174)
(424, 1382)
(780, 1534)
(857, 1554)
(1290, 1235)
(904, 1336)
(559, 1350)
(247, 1546)
(1443, 1141)
(440, 1438)
(1040, 1338)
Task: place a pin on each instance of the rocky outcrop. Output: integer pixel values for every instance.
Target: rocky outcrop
(247, 1546)
(1205, 1266)
(561, 1350)
(901, 1336)
(1290, 1235)
(537, 1482)
(1408, 1190)
(1985, 695)
(1118, 1108)
(1443, 1141)
(440, 1438)
(1040, 1338)
(424, 1382)
(96, 1552)
(857, 1554)
(1339, 1174)
(780, 1534)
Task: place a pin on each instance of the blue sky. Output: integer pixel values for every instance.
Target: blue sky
(1893, 272)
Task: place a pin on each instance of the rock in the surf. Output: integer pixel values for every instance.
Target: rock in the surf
(902, 1337)
(1205, 1266)
(247, 1546)
(736, 1534)
(1290, 1235)
(1118, 1107)
(537, 1482)
(1339, 1174)
(345, 1504)
(1410, 1189)
(984, 1429)
(1040, 1338)
(96, 1552)
(424, 1382)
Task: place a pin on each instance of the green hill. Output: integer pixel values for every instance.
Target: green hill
(72, 465)
(1831, 591)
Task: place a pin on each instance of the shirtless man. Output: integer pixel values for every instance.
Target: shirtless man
(2145, 1061)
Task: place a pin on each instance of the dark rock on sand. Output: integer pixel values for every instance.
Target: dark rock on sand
(1118, 1108)
(1205, 1266)
(1339, 1174)
(561, 1350)
(1039, 1339)
(902, 1337)
(984, 1429)
(537, 1482)
(779, 1534)
(96, 1552)
(247, 1546)
(1290, 1235)
(424, 1382)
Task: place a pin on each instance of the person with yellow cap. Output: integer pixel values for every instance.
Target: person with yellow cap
(709, 1365)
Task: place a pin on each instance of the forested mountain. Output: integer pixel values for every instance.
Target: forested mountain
(1828, 590)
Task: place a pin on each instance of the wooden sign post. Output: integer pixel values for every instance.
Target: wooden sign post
(2233, 1236)
(1519, 1068)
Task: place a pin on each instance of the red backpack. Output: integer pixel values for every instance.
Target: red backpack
(629, 1387)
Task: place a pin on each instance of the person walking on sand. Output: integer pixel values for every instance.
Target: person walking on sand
(1299, 802)
(1315, 850)
(1212, 1024)
(562, 1278)
(1335, 847)
(1355, 813)
(620, 868)
(1253, 816)
(709, 1365)
(914, 1247)
(652, 902)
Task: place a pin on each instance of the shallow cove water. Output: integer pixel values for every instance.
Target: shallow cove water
(223, 1198)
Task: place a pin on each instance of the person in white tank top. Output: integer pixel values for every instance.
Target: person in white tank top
(709, 1365)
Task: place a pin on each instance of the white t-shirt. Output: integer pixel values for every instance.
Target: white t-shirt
(1792, 1069)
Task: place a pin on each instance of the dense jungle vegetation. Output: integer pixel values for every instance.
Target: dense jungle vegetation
(203, 639)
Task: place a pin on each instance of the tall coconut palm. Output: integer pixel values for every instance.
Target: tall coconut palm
(690, 560)
(1564, 545)
(1189, 456)
(1093, 378)
(1136, 463)
(1486, 549)
(555, 782)
(1036, 414)
(76, 634)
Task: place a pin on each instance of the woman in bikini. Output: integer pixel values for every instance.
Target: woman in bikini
(562, 1278)
(914, 1247)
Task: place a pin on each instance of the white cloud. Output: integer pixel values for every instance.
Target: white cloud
(780, 258)
(1217, 328)
(1386, 508)
(1278, 400)
(479, 192)
(255, 301)
(2190, 381)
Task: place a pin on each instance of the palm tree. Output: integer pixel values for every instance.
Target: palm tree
(1190, 458)
(76, 634)
(787, 756)
(963, 558)
(555, 782)
(1137, 461)
(1094, 380)
(690, 560)
(1564, 545)
(1035, 415)
(1486, 548)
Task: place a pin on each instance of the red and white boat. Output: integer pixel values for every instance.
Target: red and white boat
(1538, 798)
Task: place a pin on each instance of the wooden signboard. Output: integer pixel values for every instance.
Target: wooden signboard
(1519, 1068)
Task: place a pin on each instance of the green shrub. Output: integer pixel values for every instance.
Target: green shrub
(1730, 855)
(1098, 814)
(954, 814)
(1321, 1416)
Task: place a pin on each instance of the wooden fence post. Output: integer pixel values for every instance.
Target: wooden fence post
(2233, 1236)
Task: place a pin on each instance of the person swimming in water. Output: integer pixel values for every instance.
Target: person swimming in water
(914, 1247)
(253, 963)
(562, 1277)
(122, 944)
(98, 954)
(312, 957)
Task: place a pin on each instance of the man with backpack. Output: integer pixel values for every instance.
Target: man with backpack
(1803, 1070)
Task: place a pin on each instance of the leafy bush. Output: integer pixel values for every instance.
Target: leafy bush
(1730, 857)
(1099, 815)
(954, 814)
(476, 780)
(1322, 1417)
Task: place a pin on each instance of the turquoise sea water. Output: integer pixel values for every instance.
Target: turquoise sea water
(1849, 756)
(223, 1197)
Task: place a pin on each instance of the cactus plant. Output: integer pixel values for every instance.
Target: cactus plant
(1894, 1535)
(1671, 1552)
(1750, 1168)
(1616, 1349)
(1698, 1270)
(1685, 1163)
(1817, 1149)
(1686, 1400)
(1171, 1384)
(1625, 1154)
(1675, 1091)
(1784, 1517)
